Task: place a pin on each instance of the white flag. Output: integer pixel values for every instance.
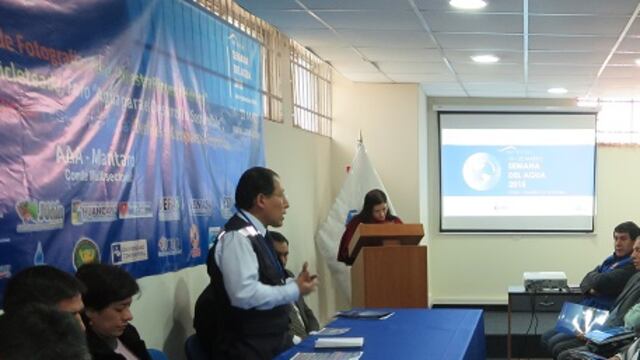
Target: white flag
(360, 180)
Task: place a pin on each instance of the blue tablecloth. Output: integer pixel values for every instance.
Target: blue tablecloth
(438, 334)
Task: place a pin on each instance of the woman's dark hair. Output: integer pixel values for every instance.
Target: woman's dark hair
(253, 182)
(105, 284)
(373, 198)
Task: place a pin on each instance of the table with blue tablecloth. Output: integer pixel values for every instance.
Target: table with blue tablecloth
(434, 334)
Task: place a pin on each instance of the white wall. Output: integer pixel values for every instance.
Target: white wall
(479, 268)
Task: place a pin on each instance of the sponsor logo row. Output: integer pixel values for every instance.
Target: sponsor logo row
(87, 251)
(49, 215)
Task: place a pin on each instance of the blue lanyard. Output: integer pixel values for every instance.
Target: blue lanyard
(270, 249)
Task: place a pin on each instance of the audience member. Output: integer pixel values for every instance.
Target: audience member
(602, 285)
(36, 331)
(374, 211)
(628, 298)
(244, 312)
(45, 285)
(301, 317)
(107, 313)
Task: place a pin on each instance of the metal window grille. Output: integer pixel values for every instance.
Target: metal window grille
(311, 81)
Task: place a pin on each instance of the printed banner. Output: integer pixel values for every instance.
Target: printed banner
(124, 126)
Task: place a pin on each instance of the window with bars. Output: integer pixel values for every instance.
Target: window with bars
(269, 38)
(311, 80)
(619, 123)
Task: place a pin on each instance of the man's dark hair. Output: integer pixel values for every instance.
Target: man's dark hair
(628, 227)
(41, 332)
(41, 285)
(105, 284)
(277, 237)
(253, 182)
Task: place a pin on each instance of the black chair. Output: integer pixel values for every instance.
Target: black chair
(194, 350)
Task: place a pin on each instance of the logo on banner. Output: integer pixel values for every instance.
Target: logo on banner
(125, 252)
(194, 240)
(5, 271)
(86, 251)
(38, 256)
(135, 210)
(169, 209)
(93, 211)
(39, 215)
(226, 207)
(201, 207)
(169, 246)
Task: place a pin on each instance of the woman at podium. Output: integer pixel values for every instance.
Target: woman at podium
(374, 211)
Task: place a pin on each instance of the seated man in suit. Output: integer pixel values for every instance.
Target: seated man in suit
(301, 318)
(603, 286)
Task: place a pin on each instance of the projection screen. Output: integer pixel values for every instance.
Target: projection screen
(517, 171)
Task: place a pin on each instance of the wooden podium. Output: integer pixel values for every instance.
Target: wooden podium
(390, 269)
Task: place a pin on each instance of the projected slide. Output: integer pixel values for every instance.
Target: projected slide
(517, 172)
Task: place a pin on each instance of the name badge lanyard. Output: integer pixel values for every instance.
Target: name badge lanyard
(270, 249)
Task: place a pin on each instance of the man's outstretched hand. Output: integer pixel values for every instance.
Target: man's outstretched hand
(306, 282)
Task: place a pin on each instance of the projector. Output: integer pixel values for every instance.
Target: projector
(536, 281)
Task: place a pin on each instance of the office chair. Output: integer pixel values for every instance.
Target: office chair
(194, 349)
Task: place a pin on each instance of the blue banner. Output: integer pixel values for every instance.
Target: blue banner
(124, 126)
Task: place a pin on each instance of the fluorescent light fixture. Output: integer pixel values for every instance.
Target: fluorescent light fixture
(485, 59)
(637, 61)
(557, 90)
(468, 4)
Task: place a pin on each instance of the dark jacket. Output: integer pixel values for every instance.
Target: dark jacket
(629, 296)
(224, 328)
(100, 350)
(607, 279)
(309, 321)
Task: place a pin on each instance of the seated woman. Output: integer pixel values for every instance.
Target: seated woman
(374, 211)
(107, 313)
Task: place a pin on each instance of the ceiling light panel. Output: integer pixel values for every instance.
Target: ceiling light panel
(492, 6)
(290, 19)
(474, 22)
(388, 39)
(351, 4)
(371, 20)
(413, 67)
(479, 41)
(468, 4)
(401, 54)
(569, 58)
(559, 70)
(618, 7)
(577, 25)
(572, 43)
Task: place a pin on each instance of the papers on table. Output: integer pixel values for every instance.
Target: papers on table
(338, 355)
(365, 314)
(339, 342)
(330, 331)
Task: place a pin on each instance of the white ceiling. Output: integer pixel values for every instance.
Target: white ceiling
(586, 46)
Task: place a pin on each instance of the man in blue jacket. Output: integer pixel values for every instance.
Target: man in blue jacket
(602, 285)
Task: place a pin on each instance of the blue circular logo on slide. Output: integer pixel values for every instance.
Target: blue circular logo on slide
(481, 171)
